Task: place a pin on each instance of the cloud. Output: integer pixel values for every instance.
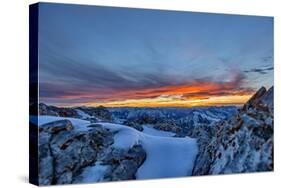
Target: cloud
(267, 58)
(94, 75)
(189, 90)
(259, 70)
(66, 80)
(204, 89)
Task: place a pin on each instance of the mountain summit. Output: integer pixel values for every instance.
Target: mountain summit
(242, 144)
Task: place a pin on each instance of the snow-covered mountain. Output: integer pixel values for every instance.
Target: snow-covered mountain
(243, 143)
(193, 115)
(182, 121)
(78, 151)
(88, 144)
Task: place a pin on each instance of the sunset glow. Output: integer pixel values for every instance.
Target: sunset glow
(160, 102)
(193, 94)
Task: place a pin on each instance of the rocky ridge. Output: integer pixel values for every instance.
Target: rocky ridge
(242, 144)
(94, 114)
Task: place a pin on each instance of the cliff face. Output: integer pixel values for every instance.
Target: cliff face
(242, 144)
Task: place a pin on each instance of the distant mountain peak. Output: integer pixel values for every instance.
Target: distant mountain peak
(262, 100)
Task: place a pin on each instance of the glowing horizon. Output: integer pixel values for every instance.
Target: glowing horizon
(151, 103)
(213, 101)
(187, 95)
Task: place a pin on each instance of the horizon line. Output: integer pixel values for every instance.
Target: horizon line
(179, 106)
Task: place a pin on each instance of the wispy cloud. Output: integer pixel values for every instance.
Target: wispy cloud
(187, 91)
(259, 70)
(267, 58)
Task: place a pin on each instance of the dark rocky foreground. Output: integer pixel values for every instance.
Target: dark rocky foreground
(64, 153)
(243, 143)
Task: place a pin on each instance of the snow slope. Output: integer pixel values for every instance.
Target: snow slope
(166, 156)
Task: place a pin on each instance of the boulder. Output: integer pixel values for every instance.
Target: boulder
(64, 154)
(124, 164)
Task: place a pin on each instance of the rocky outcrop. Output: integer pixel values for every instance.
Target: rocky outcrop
(102, 113)
(94, 114)
(97, 114)
(65, 152)
(56, 111)
(134, 125)
(123, 164)
(169, 126)
(242, 144)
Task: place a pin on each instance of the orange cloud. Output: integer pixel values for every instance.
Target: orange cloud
(194, 93)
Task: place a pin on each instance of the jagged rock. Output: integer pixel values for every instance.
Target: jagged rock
(97, 114)
(102, 113)
(242, 144)
(125, 170)
(255, 99)
(168, 126)
(134, 125)
(93, 114)
(124, 164)
(267, 98)
(46, 161)
(261, 100)
(56, 111)
(65, 152)
(57, 126)
(46, 158)
(47, 110)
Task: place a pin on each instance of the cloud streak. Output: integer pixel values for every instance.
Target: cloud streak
(202, 89)
(259, 70)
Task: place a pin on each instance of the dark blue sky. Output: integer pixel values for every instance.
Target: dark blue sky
(90, 53)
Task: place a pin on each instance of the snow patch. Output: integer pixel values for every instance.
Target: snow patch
(94, 173)
(166, 156)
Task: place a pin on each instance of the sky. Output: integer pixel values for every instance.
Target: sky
(117, 57)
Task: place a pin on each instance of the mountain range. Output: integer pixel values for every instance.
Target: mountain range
(92, 144)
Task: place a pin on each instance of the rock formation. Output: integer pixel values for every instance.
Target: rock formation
(64, 153)
(242, 144)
